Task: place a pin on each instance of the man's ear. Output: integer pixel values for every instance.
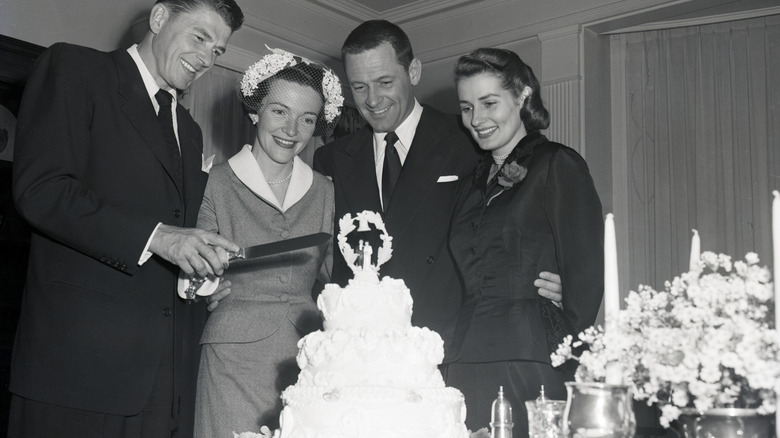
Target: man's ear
(415, 71)
(158, 17)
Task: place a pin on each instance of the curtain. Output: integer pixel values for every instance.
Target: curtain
(702, 137)
(214, 104)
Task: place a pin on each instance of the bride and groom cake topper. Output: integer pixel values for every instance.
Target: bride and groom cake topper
(360, 262)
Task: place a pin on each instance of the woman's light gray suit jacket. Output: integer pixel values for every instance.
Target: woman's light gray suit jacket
(239, 205)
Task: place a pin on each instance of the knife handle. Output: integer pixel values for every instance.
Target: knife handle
(191, 293)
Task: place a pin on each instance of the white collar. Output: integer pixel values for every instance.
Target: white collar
(146, 75)
(405, 131)
(247, 170)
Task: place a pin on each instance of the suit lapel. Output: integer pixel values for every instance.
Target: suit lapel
(140, 112)
(358, 174)
(418, 177)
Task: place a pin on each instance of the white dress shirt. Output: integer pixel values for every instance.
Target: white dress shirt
(405, 133)
(152, 88)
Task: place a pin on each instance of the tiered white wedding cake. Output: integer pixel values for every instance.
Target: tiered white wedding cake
(370, 374)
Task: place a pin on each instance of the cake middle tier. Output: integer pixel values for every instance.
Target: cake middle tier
(398, 358)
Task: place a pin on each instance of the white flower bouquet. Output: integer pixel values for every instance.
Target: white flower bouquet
(708, 340)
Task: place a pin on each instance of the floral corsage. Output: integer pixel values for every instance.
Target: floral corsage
(511, 174)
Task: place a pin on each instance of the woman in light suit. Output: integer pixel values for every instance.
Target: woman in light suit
(266, 193)
(530, 206)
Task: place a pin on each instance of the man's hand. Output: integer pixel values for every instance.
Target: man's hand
(196, 252)
(549, 285)
(222, 291)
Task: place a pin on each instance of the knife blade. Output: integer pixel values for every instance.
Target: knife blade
(280, 246)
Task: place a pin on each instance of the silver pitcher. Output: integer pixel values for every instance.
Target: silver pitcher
(598, 410)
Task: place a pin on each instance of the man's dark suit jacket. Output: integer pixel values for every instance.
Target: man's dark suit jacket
(418, 214)
(93, 177)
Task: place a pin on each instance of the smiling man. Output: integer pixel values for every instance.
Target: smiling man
(107, 170)
(432, 155)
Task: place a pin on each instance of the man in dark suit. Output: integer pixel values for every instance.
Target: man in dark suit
(417, 196)
(108, 173)
(435, 155)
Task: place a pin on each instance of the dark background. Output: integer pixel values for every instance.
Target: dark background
(16, 60)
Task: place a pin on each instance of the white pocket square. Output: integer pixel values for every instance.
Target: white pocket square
(447, 178)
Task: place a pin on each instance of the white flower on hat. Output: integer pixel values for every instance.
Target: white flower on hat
(277, 61)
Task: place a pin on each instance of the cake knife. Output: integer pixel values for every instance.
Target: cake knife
(278, 247)
(189, 287)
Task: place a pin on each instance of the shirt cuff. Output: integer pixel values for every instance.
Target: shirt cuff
(147, 254)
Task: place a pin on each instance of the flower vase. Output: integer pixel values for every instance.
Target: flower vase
(598, 410)
(724, 423)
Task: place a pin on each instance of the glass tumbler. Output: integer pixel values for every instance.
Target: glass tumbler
(545, 418)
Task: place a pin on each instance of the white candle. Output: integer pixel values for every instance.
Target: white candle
(695, 251)
(776, 281)
(776, 255)
(611, 293)
(614, 374)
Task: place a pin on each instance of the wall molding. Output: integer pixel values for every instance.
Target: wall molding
(561, 54)
(273, 30)
(562, 100)
(337, 13)
(518, 34)
(237, 59)
(699, 21)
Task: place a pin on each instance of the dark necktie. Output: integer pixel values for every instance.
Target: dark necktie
(391, 168)
(165, 117)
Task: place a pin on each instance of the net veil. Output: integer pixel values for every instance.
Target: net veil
(280, 64)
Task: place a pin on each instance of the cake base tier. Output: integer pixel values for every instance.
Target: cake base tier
(373, 413)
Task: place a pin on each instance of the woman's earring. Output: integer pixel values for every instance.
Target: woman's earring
(254, 118)
(525, 95)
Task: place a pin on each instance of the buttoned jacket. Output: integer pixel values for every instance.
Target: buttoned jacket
(548, 219)
(93, 177)
(276, 289)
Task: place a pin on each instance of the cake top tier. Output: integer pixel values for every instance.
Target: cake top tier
(366, 302)
(360, 262)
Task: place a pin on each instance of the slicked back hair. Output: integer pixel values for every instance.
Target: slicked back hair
(372, 34)
(227, 9)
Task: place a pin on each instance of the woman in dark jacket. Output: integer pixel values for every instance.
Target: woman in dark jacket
(531, 207)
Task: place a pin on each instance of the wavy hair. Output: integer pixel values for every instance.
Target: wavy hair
(514, 74)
